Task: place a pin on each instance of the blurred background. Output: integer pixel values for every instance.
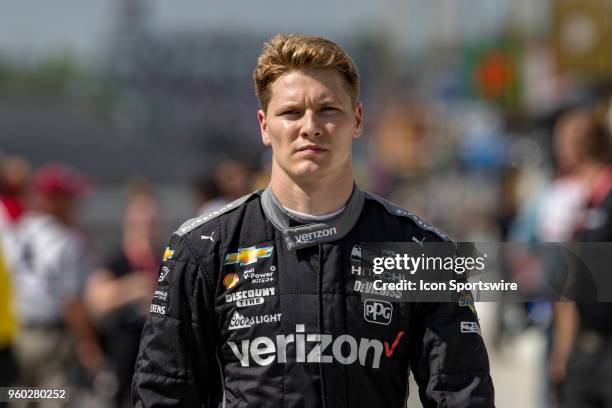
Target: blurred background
(119, 119)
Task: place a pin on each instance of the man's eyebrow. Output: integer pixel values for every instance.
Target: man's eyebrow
(288, 104)
(328, 99)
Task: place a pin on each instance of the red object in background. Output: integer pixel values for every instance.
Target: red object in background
(56, 178)
(13, 207)
(494, 74)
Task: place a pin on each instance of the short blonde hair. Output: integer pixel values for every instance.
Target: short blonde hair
(287, 52)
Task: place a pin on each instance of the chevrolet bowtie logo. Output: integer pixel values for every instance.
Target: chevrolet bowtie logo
(167, 254)
(247, 256)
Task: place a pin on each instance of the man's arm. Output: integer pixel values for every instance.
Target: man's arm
(448, 356)
(105, 292)
(176, 364)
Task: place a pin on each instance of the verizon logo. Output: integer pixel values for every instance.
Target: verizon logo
(324, 348)
(309, 236)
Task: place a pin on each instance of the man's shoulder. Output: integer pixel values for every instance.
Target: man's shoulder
(404, 215)
(192, 225)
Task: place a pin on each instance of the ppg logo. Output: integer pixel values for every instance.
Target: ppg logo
(377, 311)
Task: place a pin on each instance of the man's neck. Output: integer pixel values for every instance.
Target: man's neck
(314, 198)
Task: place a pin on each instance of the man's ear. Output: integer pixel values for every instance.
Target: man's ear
(263, 126)
(358, 120)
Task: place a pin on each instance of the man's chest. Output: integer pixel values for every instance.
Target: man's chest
(313, 305)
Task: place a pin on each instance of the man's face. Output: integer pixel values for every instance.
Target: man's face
(310, 124)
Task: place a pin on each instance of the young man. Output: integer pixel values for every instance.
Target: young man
(258, 303)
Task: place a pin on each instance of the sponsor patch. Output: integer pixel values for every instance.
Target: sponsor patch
(466, 300)
(420, 242)
(470, 327)
(314, 235)
(157, 309)
(390, 349)
(163, 273)
(239, 321)
(356, 253)
(230, 280)
(377, 311)
(211, 237)
(248, 256)
(250, 302)
(161, 295)
(259, 277)
(367, 288)
(313, 348)
(248, 294)
(167, 254)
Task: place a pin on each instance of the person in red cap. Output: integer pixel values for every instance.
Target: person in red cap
(56, 190)
(51, 268)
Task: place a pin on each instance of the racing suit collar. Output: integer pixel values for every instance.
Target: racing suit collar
(308, 234)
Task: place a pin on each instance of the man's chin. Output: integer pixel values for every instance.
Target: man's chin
(307, 171)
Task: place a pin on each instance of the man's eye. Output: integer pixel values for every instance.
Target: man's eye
(329, 109)
(289, 112)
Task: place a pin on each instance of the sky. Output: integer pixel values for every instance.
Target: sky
(30, 29)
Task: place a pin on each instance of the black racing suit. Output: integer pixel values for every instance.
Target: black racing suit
(257, 308)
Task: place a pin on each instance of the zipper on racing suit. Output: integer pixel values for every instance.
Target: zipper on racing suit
(320, 299)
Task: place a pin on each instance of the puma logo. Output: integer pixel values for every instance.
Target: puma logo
(417, 241)
(208, 237)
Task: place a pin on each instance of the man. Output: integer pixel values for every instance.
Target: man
(49, 275)
(258, 303)
(582, 343)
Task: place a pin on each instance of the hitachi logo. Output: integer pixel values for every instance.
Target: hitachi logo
(309, 236)
(345, 349)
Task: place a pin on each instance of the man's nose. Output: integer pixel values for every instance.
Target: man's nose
(311, 126)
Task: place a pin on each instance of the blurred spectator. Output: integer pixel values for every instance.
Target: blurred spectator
(14, 177)
(552, 216)
(119, 293)
(553, 212)
(207, 194)
(14, 173)
(50, 270)
(229, 181)
(582, 344)
(7, 328)
(233, 179)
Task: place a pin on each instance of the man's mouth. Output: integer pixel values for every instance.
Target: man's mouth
(311, 148)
